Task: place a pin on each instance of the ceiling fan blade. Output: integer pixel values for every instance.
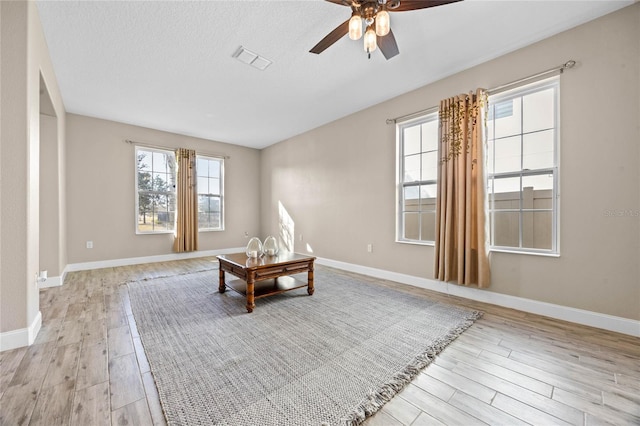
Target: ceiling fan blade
(388, 45)
(335, 35)
(406, 5)
(341, 2)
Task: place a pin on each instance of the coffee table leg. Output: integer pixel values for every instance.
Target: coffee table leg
(250, 294)
(310, 288)
(221, 286)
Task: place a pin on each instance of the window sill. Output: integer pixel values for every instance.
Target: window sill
(211, 230)
(154, 232)
(417, 243)
(533, 253)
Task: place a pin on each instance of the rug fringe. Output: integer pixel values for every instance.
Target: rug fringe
(376, 399)
(132, 280)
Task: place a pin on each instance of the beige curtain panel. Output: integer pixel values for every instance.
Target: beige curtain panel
(187, 203)
(461, 250)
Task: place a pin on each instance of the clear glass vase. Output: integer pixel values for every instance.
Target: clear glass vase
(254, 248)
(270, 246)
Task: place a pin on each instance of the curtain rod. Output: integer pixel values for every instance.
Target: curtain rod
(567, 65)
(209, 154)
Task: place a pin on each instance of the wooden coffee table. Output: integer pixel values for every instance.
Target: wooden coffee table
(266, 275)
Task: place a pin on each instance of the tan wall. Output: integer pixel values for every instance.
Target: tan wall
(24, 58)
(49, 197)
(101, 191)
(337, 182)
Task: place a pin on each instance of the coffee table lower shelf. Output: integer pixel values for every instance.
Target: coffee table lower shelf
(267, 287)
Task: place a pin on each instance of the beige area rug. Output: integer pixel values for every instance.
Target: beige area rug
(332, 358)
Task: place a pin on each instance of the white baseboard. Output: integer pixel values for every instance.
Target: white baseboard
(22, 337)
(147, 259)
(565, 313)
(52, 282)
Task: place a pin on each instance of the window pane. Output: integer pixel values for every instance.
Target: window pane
(506, 227)
(508, 125)
(159, 162)
(538, 111)
(507, 154)
(411, 199)
(203, 203)
(430, 136)
(214, 186)
(214, 168)
(164, 215)
(203, 185)
(504, 193)
(537, 182)
(208, 204)
(538, 150)
(411, 226)
(428, 194)
(430, 166)
(208, 221)
(537, 191)
(537, 230)
(144, 181)
(145, 213)
(209, 216)
(428, 225)
(160, 182)
(208, 212)
(202, 166)
(412, 168)
(214, 204)
(411, 139)
(543, 200)
(144, 161)
(501, 109)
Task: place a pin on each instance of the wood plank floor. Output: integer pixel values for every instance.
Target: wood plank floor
(88, 367)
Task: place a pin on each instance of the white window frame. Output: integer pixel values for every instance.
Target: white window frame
(553, 82)
(137, 188)
(221, 196)
(429, 115)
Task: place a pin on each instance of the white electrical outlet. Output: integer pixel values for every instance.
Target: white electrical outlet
(369, 248)
(89, 244)
(300, 237)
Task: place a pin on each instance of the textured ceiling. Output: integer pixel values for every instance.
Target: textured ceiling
(169, 65)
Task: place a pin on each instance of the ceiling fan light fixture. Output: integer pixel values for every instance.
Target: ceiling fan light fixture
(370, 40)
(383, 23)
(372, 17)
(355, 27)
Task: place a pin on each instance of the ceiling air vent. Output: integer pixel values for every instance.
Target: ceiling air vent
(248, 57)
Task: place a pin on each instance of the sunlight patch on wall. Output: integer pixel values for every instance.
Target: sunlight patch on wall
(287, 227)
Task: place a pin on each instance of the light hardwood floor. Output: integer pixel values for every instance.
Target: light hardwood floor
(87, 366)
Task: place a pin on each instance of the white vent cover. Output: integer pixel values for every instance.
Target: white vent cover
(250, 58)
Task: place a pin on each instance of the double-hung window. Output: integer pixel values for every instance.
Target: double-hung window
(417, 179)
(522, 168)
(210, 171)
(155, 190)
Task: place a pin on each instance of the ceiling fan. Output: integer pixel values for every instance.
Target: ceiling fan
(375, 16)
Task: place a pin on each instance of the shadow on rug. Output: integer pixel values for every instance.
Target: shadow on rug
(332, 358)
